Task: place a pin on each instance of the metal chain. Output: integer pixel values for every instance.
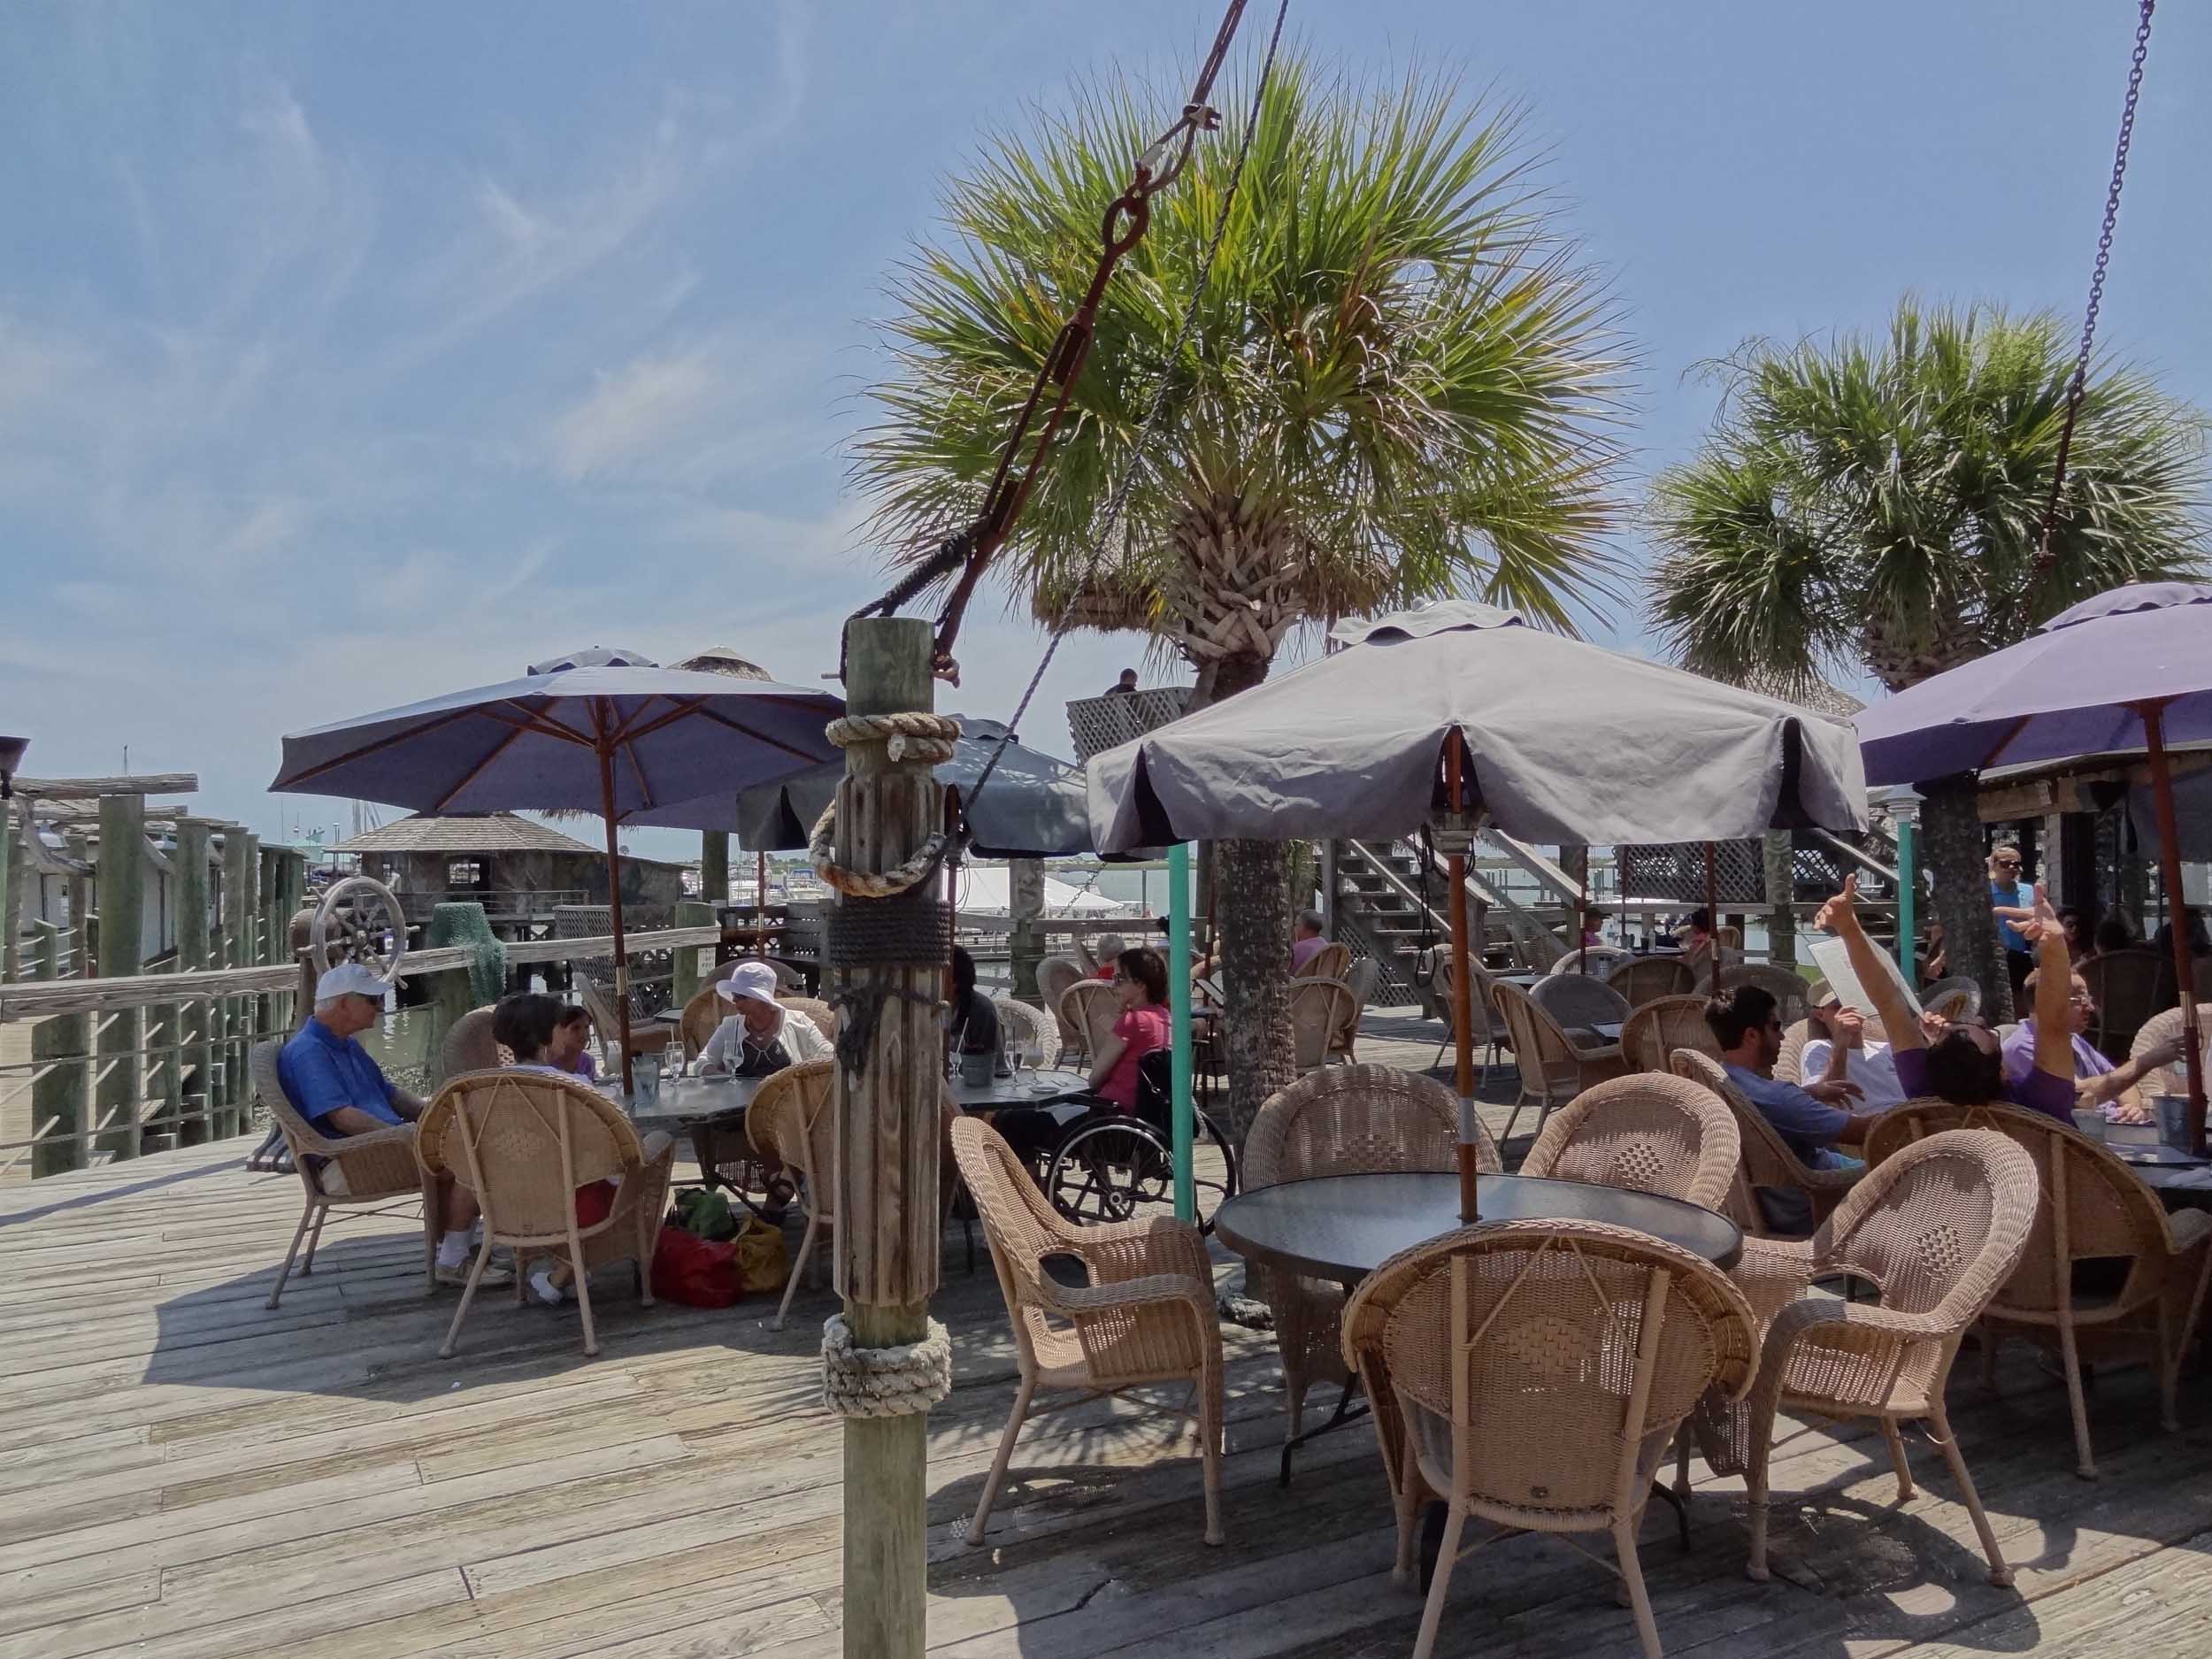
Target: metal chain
(2078, 388)
(1112, 516)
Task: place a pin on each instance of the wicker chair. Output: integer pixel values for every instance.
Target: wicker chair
(1792, 993)
(1768, 1161)
(1018, 1023)
(1342, 1120)
(1649, 1133)
(1936, 1229)
(1591, 961)
(823, 1017)
(1789, 1066)
(1554, 1068)
(1365, 975)
(789, 1122)
(1319, 1010)
(1054, 975)
(2093, 1209)
(2167, 1027)
(1539, 1370)
(1957, 998)
(1145, 1314)
(1579, 1001)
(1642, 979)
(378, 1169)
(523, 1142)
(2127, 986)
(1088, 1008)
(1655, 1030)
(470, 1046)
(701, 1015)
(1332, 962)
(1488, 1028)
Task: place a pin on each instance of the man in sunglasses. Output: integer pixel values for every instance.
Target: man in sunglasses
(2014, 904)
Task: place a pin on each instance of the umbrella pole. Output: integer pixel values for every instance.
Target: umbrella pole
(1183, 1126)
(1463, 992)
(1712, 918)
(614, 903)
(2170, 871)
(760, 902)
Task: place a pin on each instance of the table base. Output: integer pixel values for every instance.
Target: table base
(1351, 1407)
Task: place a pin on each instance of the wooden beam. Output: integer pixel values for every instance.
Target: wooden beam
(92, 788)
(196, 1055)
(58, 1093)
(121, 872)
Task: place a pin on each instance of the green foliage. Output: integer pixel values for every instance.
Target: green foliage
(1398, 355)
(1879, 500)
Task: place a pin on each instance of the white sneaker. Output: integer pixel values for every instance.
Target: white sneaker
(544, 1287)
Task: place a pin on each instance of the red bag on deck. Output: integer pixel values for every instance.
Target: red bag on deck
(695, 1272)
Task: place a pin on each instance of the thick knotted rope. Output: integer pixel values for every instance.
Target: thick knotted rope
(927, 737)
(883, 1382)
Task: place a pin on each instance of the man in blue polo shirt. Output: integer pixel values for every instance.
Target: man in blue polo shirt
(1746, 1024)
(333, 1082)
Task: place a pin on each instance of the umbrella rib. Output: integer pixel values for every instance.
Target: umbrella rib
(477, 770)
(645, 789)
(624, 734)
(536, 720)
(294, 780)
(773, 743)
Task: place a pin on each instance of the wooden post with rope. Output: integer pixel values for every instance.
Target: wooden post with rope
(884, 1361)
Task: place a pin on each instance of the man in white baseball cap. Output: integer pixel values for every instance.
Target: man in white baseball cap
(760, 1035)
(333, 1083)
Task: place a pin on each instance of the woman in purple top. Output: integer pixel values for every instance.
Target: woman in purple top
(1966, 1066)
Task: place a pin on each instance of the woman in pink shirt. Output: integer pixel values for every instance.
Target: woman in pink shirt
(1141, 987)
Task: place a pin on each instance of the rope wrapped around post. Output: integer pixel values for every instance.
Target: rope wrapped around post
(927, 737)
(883, 1382)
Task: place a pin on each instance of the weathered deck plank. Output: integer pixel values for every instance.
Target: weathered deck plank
(166, 1444)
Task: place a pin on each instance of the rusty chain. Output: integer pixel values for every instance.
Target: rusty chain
(1126, 218)
(2078, 388)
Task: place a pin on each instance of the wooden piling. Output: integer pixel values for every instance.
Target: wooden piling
(889, 1126)
(195, 1020)
(714, 869)
(688, 977)
(59, 1091)
(1026, 941)
(121, 1091)
(241, 871)
(12, 858)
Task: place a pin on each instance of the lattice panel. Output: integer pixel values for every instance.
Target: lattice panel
(1098, 724)
(1676, 871)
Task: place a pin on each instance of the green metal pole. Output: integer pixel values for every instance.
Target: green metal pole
(1907, 891)
(1179, 1005)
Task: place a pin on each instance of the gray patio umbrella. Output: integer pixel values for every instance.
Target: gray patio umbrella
(1034, 807)
(2125, 670)
(616, 740)
(1461, 715)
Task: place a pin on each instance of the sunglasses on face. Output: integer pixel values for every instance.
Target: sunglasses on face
(2007, 863)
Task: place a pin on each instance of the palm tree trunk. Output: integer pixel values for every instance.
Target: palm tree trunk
(1781, 889)
(1951, 829)
(1252, 909)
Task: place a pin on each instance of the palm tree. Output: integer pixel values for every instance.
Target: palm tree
(1878, 503)
(1399, 384)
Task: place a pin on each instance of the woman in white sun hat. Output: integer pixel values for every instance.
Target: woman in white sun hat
(761, 1035)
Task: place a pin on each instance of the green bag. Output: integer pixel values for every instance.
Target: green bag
(707, 1214)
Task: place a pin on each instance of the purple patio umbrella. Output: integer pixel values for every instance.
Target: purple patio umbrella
(597, 733)
(2126, 670)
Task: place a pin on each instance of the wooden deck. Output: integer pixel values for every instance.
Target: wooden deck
(188, 1474)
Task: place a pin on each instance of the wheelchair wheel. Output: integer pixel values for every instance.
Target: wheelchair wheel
(1116, 1167)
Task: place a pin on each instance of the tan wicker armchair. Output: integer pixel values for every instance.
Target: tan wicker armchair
(1320, 1008)
(1596, 962)
(1021, 1023)
(1089, 1008)
(523, 1142)
(1642, 979)
(470, 1046)
(2165, 1027)
(1054, 975)
(1489, 1026)
(1579, 1002)
(1539, 1370)
(1647, 1132)
(1341, 1120)
(1768, 1161)
(790, 1122)
(1365, 975)
(1554, 1068)
(2094, 1210)
(1789, 1066)
(646, 1036)
(1791, 991)
(1331, 962)
(1654, 1030)
(1146, 1316)
(2128, 987)
(376, 1169)
(1936, 1230)
(703, 1016)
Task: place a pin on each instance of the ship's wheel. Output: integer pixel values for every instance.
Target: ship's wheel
(359, 920)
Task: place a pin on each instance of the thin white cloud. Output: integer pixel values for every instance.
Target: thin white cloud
(632, 412)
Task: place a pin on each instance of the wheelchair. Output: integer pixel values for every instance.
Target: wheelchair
(1110, 1165)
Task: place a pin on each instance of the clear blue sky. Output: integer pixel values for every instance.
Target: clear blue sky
(352, 354)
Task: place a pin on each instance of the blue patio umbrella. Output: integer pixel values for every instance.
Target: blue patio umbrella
(599, 731)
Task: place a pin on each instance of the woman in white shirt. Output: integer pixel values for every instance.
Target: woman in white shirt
(761, 1035)
(1840, 1052)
